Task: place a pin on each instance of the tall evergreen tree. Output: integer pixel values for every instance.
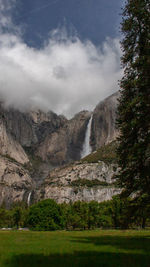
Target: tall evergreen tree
(134, 103)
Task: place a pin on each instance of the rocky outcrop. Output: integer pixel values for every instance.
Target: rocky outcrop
(65, 144)
(31, 128)
(41, 141)
(15, 182)
(84, 182)
(54, 138)
(104, 120)
(10, 147)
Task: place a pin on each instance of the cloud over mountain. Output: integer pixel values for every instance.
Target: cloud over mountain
(65, 75)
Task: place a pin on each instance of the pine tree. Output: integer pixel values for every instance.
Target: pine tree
(134, 103)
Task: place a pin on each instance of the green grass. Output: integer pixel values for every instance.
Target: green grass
(75, 249)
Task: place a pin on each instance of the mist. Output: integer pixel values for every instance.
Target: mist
(66, 75)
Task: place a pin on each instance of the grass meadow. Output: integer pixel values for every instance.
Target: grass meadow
(74, 249)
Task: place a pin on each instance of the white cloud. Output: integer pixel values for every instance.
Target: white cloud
(6, 7)
(66, 75)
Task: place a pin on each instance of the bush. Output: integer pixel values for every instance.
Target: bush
(45, 216)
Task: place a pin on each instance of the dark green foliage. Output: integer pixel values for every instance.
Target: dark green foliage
(77, 216)
(120, 212)
(88, 183)
(44, 215)
(96, 215)
(14, 217)
(5, 218)
(17, 216)
(48, 215)
(134, 104)
(141, 210)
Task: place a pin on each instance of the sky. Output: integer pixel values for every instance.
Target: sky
(59, 55)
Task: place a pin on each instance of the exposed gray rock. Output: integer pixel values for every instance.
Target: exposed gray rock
(104, 120)
(10, 147)
(56, 141)
(31, 128)
(70, 194)
(15, 182)
(61, 183)
(65, 144)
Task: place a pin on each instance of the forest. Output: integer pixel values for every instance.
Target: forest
(47, 215)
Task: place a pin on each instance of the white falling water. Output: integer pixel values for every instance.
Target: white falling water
(29, 198)
(87, 149)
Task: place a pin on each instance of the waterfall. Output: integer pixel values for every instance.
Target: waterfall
(87, 149)
(29, 198)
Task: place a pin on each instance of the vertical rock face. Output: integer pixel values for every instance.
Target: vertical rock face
(15, 182)
(30, 128)
(51, 140)
(10, 147)
(103, 124)
(65, 144)
(84, 182)
(54, 138)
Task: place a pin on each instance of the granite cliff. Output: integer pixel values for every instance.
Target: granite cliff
(80, 181)
(34, 143)
(65, 144)
(103, 124)
(15, 182)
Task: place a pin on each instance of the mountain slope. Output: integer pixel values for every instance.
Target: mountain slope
(65, 144)
(84, 180)
(9, 146)
(15, 182)
(35, 142)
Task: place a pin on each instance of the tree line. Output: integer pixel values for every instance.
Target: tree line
(47, 215)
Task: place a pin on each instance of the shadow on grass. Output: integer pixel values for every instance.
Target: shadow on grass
(137, 244)
(80, 259)
(114, 251)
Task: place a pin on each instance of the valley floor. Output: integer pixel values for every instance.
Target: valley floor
(106, 248)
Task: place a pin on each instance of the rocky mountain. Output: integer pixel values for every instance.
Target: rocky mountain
(31, 128)
(15, 182)
(103, 124)
(9, 146)
(33, 143)
(65, 144)
(54, 138)
(80, 181)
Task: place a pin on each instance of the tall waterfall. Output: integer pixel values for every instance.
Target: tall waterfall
(87, 149)
(29, 198)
